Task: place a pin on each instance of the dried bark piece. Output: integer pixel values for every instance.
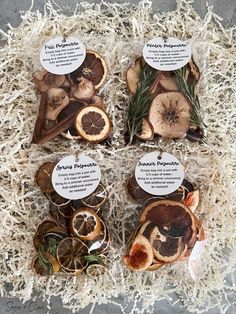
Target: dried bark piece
(169, 115)
(39, 124)
(140, 255)
(57, 100)
(45, 80)
(72, 108)
(93, 124)
(94, 69)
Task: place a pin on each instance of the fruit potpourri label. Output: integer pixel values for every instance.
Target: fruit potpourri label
(74, 178)
(62, 55)
(159, 173)
(167, 55)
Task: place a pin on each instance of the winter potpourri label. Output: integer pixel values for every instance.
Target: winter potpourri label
(167, 54)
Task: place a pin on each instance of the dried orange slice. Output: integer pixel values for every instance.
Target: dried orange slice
(43, 176)
(70, 255)
(93, 124)
(140, 255)
(94, 69)
(97, 198)
(85, 224)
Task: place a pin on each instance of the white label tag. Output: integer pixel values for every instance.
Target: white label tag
(194, 258)
(166, 55)
(159, 173)
(62, 56)
(75, 179)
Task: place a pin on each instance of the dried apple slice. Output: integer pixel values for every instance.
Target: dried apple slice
(132, 76)
(169, 115)
(193, 73)
(165, 249)
(43, 176)
(96, 101)
(140, 255)
(167, 81)
(147, 131)
(45, 80)
(192, 200)
(57, 99)
(93, 124)
(172, 217)
(94, 69)
(155, 265)
(83, 90)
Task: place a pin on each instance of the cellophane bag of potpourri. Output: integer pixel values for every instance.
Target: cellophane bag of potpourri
(70, 105)
(73, 237)
(163, 85)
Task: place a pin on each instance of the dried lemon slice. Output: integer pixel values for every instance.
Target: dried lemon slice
(70, 255)
(97, 198)
(93, 124)
(96, 270)
(43, 176)
(85, 224)
(94, 69)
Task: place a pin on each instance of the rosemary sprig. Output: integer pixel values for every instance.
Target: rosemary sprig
(140, 102)
(189, 91)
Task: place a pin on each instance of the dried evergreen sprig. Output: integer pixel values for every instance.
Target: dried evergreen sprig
(188, 90)
(140, 102)
(49, 246)
(93, 258)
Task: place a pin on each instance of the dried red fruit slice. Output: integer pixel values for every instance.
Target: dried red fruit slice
(165, 249)
(93, 124)
(192, 200)
(140, 255)
(174, 218)
(39, 269)
(94, 69)
(43, 176)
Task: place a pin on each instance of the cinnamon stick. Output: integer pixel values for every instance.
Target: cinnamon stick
(63, 125)
(39, 124)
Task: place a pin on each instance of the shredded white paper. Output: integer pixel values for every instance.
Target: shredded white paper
(118, 33)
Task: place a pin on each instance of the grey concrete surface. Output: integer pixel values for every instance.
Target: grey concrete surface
(10, 13)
